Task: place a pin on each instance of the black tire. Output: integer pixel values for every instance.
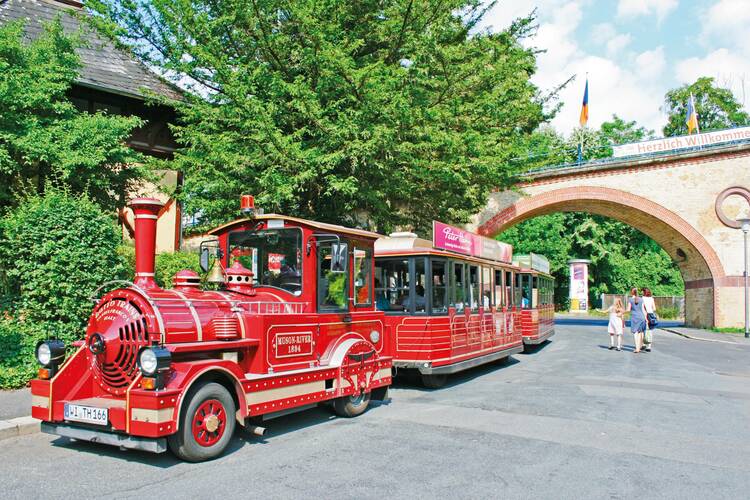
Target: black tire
(351, 406)
(434, 381)
(184, 443)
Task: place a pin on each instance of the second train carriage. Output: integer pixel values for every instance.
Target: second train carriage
(537, 301)
(450, 304)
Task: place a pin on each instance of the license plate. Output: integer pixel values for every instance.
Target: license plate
(87, 414)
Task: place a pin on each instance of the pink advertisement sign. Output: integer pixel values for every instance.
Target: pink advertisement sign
(464, 242)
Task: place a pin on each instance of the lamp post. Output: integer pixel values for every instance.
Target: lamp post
(745, 226)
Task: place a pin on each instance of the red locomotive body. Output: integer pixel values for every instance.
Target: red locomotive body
(537, 298)
(293, 325)
(446, 311)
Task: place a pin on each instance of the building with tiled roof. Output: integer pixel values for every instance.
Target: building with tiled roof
(111, 80)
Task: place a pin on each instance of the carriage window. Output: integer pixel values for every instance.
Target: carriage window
(458, 286)
(362, 276)
(391, 284)
(474, 287)
(499, 291)
(487, 301)
(333, 287)
(439, 286)
(274, 256)
(517, 293)
(534, 291)
(419, 304)
(509, 289)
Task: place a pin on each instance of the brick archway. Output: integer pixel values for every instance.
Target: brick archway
(696, 258)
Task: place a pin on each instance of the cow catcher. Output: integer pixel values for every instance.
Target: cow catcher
(291, 324)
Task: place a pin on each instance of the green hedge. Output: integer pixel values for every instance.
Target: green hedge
(55, 250)
(168, 264)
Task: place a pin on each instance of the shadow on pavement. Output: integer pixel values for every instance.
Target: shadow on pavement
(410, 379)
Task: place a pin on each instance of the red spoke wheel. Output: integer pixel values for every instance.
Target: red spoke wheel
(206, 424)
(209, 423)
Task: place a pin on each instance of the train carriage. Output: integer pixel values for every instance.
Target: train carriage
(292, 324)
(537, 302)
(449, 305)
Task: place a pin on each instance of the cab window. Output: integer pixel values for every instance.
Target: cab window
(362, 276)
(333, 287)
(273, 255)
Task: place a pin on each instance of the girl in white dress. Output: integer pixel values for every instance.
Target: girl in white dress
(650, 305)
(616, 322)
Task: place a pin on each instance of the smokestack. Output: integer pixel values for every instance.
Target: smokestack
(146, 211)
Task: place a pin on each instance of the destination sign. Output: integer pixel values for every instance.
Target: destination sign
(464, 242)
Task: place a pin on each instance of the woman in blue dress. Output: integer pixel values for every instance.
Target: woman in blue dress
(637, 318)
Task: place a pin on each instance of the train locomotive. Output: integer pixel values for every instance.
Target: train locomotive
(292, 325)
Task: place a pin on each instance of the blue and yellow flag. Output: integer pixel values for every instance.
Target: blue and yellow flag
(691, 119)
(584, 119)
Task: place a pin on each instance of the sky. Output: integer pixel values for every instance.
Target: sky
(634, 51)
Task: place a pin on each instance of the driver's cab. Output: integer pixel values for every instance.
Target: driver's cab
(325, 268)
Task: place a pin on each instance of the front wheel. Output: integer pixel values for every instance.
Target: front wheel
(351, 406)
(206, 424)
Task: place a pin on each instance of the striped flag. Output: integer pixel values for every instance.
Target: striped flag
(691, 119)
(584, 119)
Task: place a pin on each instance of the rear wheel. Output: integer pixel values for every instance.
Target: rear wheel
(434, 381)
(351, 406)
(206, 424)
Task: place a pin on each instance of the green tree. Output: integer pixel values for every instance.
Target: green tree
(621, 256)
(717, 108)
(370, 113)
(44, 139)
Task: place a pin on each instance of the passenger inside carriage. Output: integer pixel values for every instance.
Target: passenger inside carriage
(420, 303)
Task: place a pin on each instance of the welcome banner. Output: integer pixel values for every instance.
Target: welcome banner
(681, 142)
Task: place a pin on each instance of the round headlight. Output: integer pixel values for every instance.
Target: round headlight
(43, 354)
(50, 352)
(148, 361)
(374, 336)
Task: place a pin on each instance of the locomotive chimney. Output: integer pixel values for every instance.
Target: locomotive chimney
(146, 211)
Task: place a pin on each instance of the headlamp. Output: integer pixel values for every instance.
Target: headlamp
(50, 353)
(153, 360)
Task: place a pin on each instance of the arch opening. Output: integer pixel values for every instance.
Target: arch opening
(697, 261)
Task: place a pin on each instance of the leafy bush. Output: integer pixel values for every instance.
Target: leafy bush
(167, 264)
(668, 312)
(18, 339)
(56, 249)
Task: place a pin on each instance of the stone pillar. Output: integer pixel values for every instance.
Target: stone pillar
(579, 285)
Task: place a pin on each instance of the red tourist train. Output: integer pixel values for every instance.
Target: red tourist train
(294, 325)
(450, 303)
(537, 299)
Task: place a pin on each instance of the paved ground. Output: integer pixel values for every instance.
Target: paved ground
(571, 420)
(15, 404)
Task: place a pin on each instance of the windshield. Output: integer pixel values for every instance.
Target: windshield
(273, 255)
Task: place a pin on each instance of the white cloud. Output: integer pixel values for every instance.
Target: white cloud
(636, 8)
(620, 83)
(728, 21)
(651, 63)
(730, 70)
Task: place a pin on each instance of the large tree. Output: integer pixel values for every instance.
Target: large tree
(44, 139)
(717, 107)
(364, 112)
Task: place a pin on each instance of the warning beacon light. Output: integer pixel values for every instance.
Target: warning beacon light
(247, 205)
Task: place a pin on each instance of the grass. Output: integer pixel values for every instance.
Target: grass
(727, 330)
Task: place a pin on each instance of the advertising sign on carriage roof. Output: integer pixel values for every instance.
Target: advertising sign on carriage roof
(464, 242)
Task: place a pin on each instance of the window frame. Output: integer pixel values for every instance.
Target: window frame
(256, 281)
(347, 276)
(371, 284)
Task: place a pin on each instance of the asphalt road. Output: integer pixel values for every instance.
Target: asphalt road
(570, 420)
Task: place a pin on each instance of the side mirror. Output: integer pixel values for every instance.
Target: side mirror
(204, 259)
(339, 257)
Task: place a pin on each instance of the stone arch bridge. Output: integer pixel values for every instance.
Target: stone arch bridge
(672, 198)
